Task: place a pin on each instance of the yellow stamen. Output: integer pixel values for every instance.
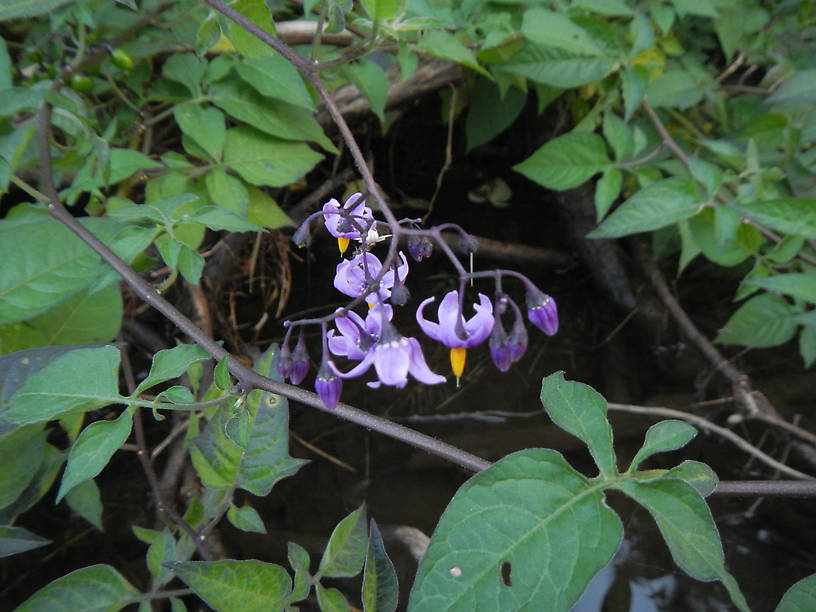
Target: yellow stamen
(370, 306)
(342, 244)
(457, 359)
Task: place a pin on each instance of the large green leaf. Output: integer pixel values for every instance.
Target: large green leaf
(14, 9)
(206, 126)
(227, 191)
(528, 532)
(801, 597)
(245, 42)
(557, 67)
(264, 160)
(370, 80)
(685, 521)
(551, 29)
(275, 77)
(676, 88)
(656, 205)
(763, 321)
(42, 480)
(86, 500)
(446, 46)
(790, 215)
(801, 286)
(226, 586)
(567, 161)
(15, 540)
(93, 449)
(43, 264)
(83, 377)
(275, 117)
(798, 87)
(346, 552)
(380, 587)
(98, 588)
(581, 411)
(21, 453)
(490, 113)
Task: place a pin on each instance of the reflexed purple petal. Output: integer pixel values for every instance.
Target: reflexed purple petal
(431, 329)
(475, 329)
(479, 326)
(418, 367)
(341, 227)
(391, 360)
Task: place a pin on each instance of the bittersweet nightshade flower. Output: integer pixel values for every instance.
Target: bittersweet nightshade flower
(542, 311)
(328, 385)
(350, 277)
(347, 225)
(357, 335)
(453, 330)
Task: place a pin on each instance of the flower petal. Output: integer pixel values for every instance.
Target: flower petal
(418, 368)
(391, 360)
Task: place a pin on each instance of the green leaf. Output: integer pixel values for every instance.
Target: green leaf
(330, 599)
(16, 540)
(567, 161)
(446, 46)
(529, 518)
(380, 586)
(84, 319)
(187, 69)
(274, 117)
(490, 113)
(299, 560)
(21, 453)
(551, 29)
(42, 480)
(238, 426)
(801, 597)
(807, 345)
(264, 211)
(263, 160)
(227, 191)
(558, 68)
(249, 586)
(246, 519)
(248, 44)
(162, 550)
(685, 522)
(275, 77)
(722, 237)
(36, 275)
(171, 363)
(216, 457)
(98, 588)
(790, 215)
(14, 9)
(222, 375)
(580, 410)
(346, 552)
(370, 80)
(605, 7)
(801, 286)
(380, 10)
(217, 218)
(190, 264)
(675, 88)
(634, 81)
(82, 377)
(764, 320)
(618, 135)
(607, 190)
(656, 205)
(799, 87)
(206, 126)
(86, 501)
(93, 449)
(5, 66)
(663, 437)
(696, 474)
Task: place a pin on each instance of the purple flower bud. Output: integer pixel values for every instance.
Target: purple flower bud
(400, 295)
(499, 347)
(328, 386)
(542, 311)
(517, 340)
(303, 236)
(300, 361)
(285, 361)
(419, 247)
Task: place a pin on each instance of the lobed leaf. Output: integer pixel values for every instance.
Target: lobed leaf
(662, 437)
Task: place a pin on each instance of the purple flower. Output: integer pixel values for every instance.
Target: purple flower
(542, 311)
(328, 385)
(339, 225)
(375, 341)
(453, 330)
(350, 277)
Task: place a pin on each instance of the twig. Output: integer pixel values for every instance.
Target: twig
(322, 453)
(721, 431)
(448, 154)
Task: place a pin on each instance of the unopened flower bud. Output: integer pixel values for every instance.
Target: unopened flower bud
(469, 244)
(303, 236)
(419, 247)
(400, 295)
(328, 386)
(542, 311)
(300, 362)
(285, 361)
(517, 340)
(499, 349)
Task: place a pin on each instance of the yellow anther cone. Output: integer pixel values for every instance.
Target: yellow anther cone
(457, 359)
(342, 244)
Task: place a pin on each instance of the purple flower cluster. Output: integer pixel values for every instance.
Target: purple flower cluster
(373, 340)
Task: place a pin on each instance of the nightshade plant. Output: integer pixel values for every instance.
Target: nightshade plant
(164, 124)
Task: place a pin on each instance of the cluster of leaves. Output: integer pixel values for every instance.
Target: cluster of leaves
(190, 123)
